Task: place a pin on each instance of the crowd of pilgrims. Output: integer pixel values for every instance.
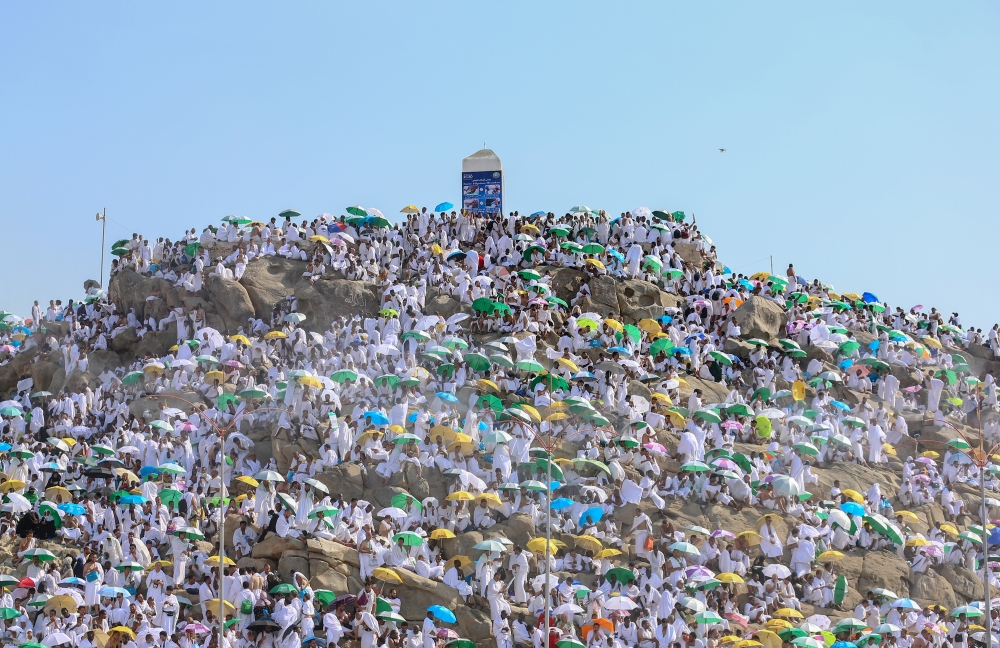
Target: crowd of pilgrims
(128, 496)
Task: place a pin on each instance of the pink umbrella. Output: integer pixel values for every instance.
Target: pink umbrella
(922, 479)
(656, 448)
(722, 533)
(738, 619)
(725, 464)
(446, 633)
(912, 390)
(234, 364)
(916, 308)
(8, 348)
(933, 551)
(926, 460)
(187, 427)
(197, 628)
(338, 242)
(698, 573)
(732, 424)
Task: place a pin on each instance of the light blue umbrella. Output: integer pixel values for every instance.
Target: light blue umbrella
(490, 545)
(852, 508)
(112, 592)
(442, 613)
(445, 206)
(447, 396)
(132, 499)
(72, 508)
(561, 503)
(377, 418)
(593, 514)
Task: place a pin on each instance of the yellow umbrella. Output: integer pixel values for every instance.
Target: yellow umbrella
(562, 461)
(852, 296)
(768, 639)
(318, 238)
(588, 543)
(489, 498)
(463, 561)
(213, 605)
(437, 249)
(569, 364)
(420, 373)
(249, 481)
(462, 438)
(930, 454)
(650, 326)
(948, 528)
(484, 383)
(70, 441)
(917, 542)
(409, 209)
(153, 369)
(528, 227)
(213, 561)
(887, 447)
(748, 643)
(275, 335)
(538, 545)
(58, 494)
(532, 412)
(752, 538)
(60, 602)
(931, 342)
(827, 556)
(777, 624)
(239, 338)
(729, 577)
(162, 563)
(909, 516)
(596, 263)
(676, 418)
(311, 381)
(760, 276)
(387, 575)
(461, 496)
(127, 474)
(557, 416)
(607, 553)
(123, 630)
(729, 639)
(788, 613)
(215, 375)
(854, 495)
(446, 432)
(398, 429)
(615, 324)
(662, 398)
(442, 534)
(557, 405)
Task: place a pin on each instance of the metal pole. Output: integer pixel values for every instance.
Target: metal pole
(222, 540)
(548, 536)
(772, 264)
(986, 544)
(104, 226)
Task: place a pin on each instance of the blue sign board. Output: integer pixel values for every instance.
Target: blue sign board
(482, 192)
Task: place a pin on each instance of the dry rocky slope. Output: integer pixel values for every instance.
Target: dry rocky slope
(229, 304)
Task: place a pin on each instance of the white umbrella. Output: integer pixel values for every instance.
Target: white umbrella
(642, 212)
(568, 608)
(56, 638)
(456, 318)
(777, 570)
(427, 322)
(539, 582)
(18, 504)
(692, 603)
(393, 512)
(620, 603)
(374, 212)
(808, 531)
(785, 485)
(347, 237)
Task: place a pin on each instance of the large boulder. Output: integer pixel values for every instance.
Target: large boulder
(443, 305)
(604, 290)
(329, 299)
(232, 302)
(272, 547)
(640, 300)
(884, 569)
(269, 280)
(760, 317)
(966, 583)
(344, 479)
(932, 587)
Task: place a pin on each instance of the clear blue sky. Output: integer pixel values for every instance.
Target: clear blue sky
(861, 141)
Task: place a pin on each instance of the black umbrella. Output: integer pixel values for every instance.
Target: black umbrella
(346, 599)
(100, 473)
(264, 625)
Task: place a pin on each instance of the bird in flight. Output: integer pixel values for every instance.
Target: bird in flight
(722, 150)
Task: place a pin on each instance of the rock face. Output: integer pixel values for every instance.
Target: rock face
(759, 317)
(329, 299)
(232, 302)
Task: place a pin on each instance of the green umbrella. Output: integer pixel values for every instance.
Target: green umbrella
(708, 616)
(222, 401)
(132, 378)
(530, 365)
(621, 575)
(552, 381)
(447, 369)
(721, 357)
(458, 643)
(406, 438)
(477, 361)
(344, 375)
(806, 448)
(168, 495)
(483, 305)
(663, 345)
(254, 392)
(120, 251)
(531, 250)
(327, 511)
(849, 347)
(391, 616)
(357, 210)
(557, 473)
(530, 275)
(284, 588)
(653, 262)
(402, 500)
(9, 613)
(489, 401)
(740, 409)
(709, 416)
(633, 333)
(421, 336)
(555, 301)
(593, 248)
(409, 538)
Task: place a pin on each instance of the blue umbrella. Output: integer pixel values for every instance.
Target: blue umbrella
(112, 592)
(447, 396)
(746, 284)
(320, 641)
(841, 405)
(4, 447)
(412, 418)
(666, 319)
(846, 363)
(618, 349)
(683, 350)
(906, 604)
(844, 644)
(377, 418)
(852, 508)
(537, 214)
(455, 254)
(994, 537)
(869, 298)
(618, 255)
(132, 499)
(72, 580)
(593, 514)
(561, 503)
(445, 206)
(72, 508)
(874, 345)
(443, 613)
(584, 375)
(149, 470)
